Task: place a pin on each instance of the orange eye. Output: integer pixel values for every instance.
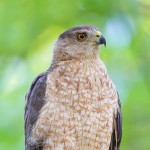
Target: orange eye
(81, 36)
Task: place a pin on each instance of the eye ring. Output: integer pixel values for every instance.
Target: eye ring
(81, 36)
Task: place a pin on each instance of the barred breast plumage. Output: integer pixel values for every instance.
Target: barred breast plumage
(80, 104)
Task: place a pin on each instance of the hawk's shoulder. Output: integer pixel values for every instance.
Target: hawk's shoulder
(34, 102)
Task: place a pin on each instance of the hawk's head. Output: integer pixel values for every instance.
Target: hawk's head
(80, 41)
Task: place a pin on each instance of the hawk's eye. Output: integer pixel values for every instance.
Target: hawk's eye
(81, 36)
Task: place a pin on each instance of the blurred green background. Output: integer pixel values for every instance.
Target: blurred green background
(28, 30)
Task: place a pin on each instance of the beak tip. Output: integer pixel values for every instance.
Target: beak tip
(105, 44)
(102, 40)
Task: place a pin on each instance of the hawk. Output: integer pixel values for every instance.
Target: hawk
(74, 105)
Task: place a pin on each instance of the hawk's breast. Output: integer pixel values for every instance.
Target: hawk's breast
(80, 103)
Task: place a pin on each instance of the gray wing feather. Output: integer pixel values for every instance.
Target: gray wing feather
(34, 102)
(117, 130)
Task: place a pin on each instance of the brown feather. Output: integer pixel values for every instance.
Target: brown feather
(117, 131)
(34, 103)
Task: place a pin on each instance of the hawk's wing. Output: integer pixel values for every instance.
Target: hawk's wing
(34, 102)
(117, 129)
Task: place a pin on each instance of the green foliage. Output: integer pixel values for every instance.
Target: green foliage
(28, 31)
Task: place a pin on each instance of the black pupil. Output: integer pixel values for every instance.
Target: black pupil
(82, 36)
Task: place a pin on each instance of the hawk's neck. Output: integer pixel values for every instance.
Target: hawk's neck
(80, 61)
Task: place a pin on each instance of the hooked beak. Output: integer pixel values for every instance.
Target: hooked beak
(101, 40)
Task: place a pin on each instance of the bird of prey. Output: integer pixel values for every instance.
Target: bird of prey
(74, 105)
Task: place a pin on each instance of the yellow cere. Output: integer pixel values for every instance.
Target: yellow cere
(98, 34)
